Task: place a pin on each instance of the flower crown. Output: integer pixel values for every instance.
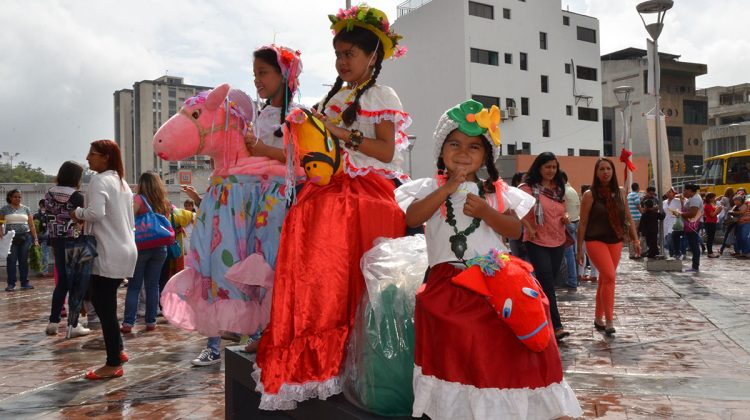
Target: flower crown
(290, 63)
(474, 120)
(373, 20)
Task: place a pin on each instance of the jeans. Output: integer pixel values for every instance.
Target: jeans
(19, 253)
(679, 244)
(742, 238)
(570, 256)
(61, 288)
(710, 235)
(45, 256)
(727, 233)
(147, 271)
(546, 262)
(695, 248)
(214, 344)
(104, 298)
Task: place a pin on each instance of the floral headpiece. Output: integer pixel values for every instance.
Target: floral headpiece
(373, 20)
(290, 63)
(473, 120)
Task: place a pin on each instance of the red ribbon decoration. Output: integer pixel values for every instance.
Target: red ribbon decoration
(625, 158)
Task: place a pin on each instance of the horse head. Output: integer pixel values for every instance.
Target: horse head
(211, 123)
(318, 150)
(515, 295)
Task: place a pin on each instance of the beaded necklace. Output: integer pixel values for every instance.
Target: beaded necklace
(352, 94)
(458, 240)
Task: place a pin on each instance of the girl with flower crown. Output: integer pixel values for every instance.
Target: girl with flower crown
(470, 364)
(247, 211)
(318, 282)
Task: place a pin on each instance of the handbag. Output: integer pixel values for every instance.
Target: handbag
(174, 251)
(152, 230)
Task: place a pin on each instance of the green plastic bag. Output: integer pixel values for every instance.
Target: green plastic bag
(35, 258)
(679, 225)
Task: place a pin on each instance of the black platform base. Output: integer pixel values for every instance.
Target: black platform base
(242, 401)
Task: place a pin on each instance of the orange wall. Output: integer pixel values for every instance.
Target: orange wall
(580, 169)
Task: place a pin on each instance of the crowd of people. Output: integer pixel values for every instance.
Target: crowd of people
(290, 270)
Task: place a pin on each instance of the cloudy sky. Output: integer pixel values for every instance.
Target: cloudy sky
(62, 60)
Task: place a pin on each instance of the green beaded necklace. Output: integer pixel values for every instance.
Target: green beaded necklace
(458, 240)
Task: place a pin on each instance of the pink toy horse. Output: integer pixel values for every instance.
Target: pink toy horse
(234, 242)
(202, 127)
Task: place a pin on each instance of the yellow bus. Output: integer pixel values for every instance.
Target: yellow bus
(727, 170)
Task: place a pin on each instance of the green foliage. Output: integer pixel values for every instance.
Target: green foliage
(23, 172)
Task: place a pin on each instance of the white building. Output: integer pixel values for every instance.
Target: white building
(728, 119)
(540, 64)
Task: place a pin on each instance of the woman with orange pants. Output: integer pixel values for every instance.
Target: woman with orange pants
(604, 223)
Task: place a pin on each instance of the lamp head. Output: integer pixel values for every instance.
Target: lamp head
(659, 7)
(622, 93)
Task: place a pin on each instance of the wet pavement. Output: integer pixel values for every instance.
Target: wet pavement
(682, 350)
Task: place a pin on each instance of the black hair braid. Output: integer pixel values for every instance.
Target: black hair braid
(440, 164)
(489, 162)
(351, 113)
(335, 88)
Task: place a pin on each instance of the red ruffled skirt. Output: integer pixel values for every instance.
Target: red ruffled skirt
(318, 285)
(469, 363)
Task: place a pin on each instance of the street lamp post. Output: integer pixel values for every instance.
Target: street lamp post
(622, 93)
(11, 156)
(658, 7)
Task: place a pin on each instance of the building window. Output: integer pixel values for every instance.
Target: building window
(543, 40)
(481, 10)
(506, 13)
(571, 152)
(566, 20)
(588, 114)
(510, 103)
(524, 106)
(585, 73)
(586, 34)
(545, 84)
(508, 58)
(723, 145)
(484, 56)
(695, 112)
(487, 101)
(674, 138)
(522, 58)
(545, 128)
(511, 149)
(568, 110)
(588, 152)
(567, 68)
(526, 148)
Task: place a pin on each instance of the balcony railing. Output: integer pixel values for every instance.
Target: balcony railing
(410, 6)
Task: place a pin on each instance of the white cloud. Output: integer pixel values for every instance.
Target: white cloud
(63, 59)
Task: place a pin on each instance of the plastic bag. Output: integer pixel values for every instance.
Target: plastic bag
(35, 258)
(377, 373)
(679, 225)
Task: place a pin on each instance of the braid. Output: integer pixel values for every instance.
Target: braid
(284, 111)
(489, 163)
(335, 88)
(351, 113)
(440, 164)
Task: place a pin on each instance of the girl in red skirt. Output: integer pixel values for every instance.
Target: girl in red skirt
(318, 281)
(469, 364)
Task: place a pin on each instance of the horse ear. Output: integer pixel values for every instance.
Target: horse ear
(216, 97)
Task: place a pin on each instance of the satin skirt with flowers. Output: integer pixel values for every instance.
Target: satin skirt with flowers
(318, 285)
(230, 266)
(468, 364)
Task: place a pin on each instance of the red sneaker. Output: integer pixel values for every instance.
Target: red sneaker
(124, 357)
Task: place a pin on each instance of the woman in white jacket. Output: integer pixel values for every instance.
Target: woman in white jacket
(108, 216)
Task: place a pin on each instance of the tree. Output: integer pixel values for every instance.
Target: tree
(23, 172)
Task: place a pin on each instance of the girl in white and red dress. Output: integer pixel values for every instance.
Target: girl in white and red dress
(469, 364)
(318, 281)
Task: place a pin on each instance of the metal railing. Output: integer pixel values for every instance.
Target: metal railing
(410, 6)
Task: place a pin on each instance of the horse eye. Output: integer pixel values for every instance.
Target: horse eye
(196, 113)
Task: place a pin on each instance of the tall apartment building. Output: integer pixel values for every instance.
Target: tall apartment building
(139, 112)
(686, 112)
(538, 63)
(728, 119)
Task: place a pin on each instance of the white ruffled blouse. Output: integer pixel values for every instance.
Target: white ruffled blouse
(378, 103)
(438, 232)
(268, 121)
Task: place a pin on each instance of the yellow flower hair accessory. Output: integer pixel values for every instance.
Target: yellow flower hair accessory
(490, 121)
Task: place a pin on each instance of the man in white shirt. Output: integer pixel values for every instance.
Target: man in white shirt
(691, 213)
(573, 210)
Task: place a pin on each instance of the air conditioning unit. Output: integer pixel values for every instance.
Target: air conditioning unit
(503, 114)
(512, 112)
